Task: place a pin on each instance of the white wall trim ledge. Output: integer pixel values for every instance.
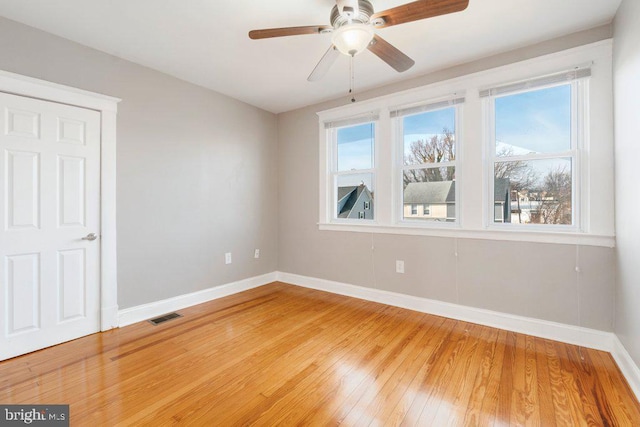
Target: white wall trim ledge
(585, 239)
(143, 312)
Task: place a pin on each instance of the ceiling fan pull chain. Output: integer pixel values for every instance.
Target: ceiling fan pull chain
(352, 80)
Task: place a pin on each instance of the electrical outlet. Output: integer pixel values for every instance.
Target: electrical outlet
(256, 254)
(399, 266)
(227, 258)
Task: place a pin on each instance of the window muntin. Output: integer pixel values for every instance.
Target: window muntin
(534, 157)
(353, 171)
(429, 164)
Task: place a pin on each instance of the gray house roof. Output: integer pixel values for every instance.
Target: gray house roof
(440, 192)
(345, 191)
(430, 193)
(348, 196)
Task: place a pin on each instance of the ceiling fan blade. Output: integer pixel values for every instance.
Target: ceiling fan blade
(288, 31)
(324, 64)
(391, 55)
(417, 10)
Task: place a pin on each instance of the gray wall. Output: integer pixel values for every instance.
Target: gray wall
(199, 174)
(626, 65)
(196, 170)
(529, 279)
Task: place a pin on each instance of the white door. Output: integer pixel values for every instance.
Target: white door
(50, 198)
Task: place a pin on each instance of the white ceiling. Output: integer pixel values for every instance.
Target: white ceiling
(205, 41)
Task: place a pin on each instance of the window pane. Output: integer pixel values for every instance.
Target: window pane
(429, 194)
(355, 147)
(354, 196)
(429, 137)
(538, 121)
(533, 192)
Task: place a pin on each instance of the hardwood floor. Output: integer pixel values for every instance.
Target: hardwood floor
(281, 354)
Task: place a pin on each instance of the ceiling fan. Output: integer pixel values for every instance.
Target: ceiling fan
(353, 24)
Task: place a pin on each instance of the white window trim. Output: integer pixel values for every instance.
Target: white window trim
(332, 173)
(399, 167)
(597, 219)
(576, 152)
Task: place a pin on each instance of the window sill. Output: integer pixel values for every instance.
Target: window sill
(570, 238)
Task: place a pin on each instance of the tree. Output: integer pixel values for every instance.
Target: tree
(437, 149)
(522, 177)
(555, 204)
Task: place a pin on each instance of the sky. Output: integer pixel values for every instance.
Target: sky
(431, 122)
(536, 121)
(355, 143)
(355, 147)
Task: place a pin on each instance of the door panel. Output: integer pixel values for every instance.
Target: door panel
(23, 187)
(71, 182)
(50, 195)
(71, 284)
(23, 286)
(22, 123)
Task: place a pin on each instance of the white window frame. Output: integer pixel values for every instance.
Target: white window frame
(593, 169)
(456, 103)
(331, 132)
(577, 154)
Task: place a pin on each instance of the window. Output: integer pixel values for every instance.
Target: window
(428, 143)
(534, 156)
(497, 154)
(353, 168)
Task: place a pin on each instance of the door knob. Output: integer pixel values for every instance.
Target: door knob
(90, 237)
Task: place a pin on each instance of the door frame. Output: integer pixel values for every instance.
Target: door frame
(107, 106)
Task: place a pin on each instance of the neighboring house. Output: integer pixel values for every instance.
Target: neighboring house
(355, 202)
(502, 200)
(525, 206)
(430, 200)
(437, 200)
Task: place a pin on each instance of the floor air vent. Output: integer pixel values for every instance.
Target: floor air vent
(164, 318)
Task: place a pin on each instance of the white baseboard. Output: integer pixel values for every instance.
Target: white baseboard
(570, 334)
(626, 364)
(142, 312)
(585, 337)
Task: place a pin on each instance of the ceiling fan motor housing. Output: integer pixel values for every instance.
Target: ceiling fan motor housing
(346, 11)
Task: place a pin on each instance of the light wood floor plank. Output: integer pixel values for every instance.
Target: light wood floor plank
(285, 355)
(545, 397)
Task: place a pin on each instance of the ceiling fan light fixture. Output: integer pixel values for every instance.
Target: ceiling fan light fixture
(351, 39)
